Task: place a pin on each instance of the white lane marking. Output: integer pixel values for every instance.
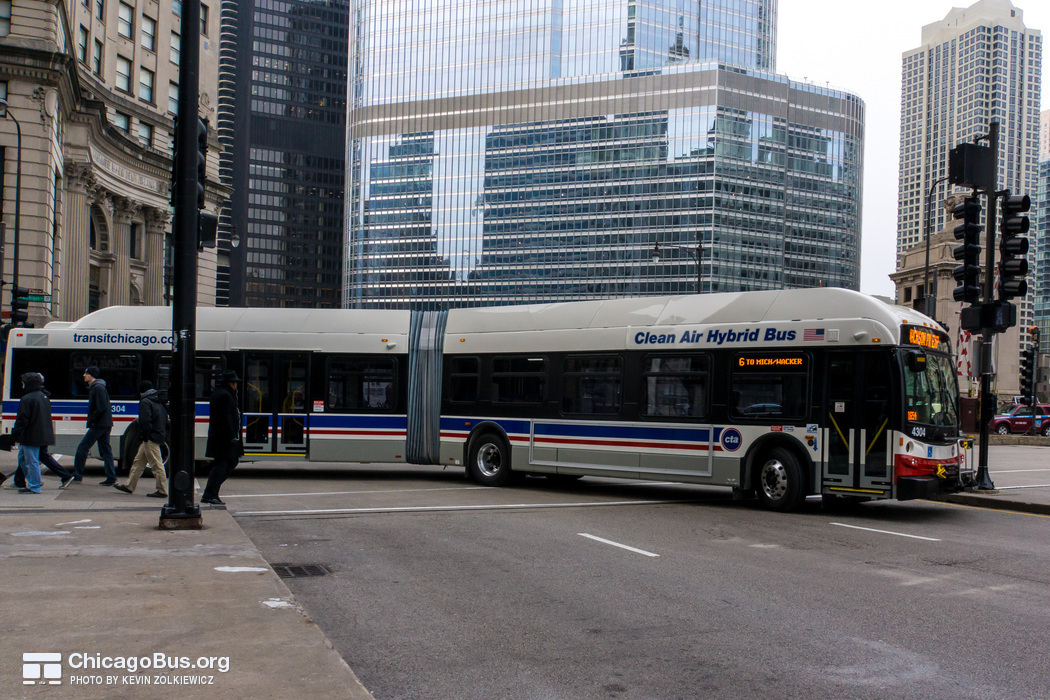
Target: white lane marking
(87, 527)
(418, 509)
(40, 533)
(1033, 486)
(73, 522)
(888, 532)
(239, 569)
(617, 544)
(345, 493)
(278, 603)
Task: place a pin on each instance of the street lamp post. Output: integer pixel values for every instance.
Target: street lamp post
(697, 253)
(18, 191)
(929, 302)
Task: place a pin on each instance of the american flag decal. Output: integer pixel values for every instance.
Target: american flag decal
(812, 334)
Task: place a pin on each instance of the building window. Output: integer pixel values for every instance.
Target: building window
(134, 249)
(100, 10)
(5, 17)
(82, 44)
(123, 74)
(149, 33)
(97, 67)
(173, 98)
(176, 7)
(204, 18)
(176, 48)
(146, 85)
(122, 121)
(146, 134)
(125, 20)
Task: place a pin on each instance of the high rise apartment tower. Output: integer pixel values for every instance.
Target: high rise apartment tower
(977, 65)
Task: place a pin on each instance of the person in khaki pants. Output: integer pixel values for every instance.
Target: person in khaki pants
(153, 428)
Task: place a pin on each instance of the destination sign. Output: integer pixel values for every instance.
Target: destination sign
(924, 338)
(759, 363)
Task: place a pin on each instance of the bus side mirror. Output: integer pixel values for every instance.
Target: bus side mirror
(916, 360)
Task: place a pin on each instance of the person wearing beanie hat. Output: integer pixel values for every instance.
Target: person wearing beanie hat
(99, 426)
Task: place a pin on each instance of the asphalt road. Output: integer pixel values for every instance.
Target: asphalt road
(441, 589)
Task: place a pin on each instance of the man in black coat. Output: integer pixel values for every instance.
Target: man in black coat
(99, 425)
(224, 435)
(32, 430)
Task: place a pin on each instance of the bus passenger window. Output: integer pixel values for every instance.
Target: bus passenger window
(592, 385)
(464, 379)
(122, 372)
(361, 383)
(769, 386)
(675, 386)
(519, 379)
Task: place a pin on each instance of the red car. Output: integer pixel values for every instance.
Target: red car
(1019, 420)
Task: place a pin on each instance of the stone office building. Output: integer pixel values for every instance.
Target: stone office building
(91, 89)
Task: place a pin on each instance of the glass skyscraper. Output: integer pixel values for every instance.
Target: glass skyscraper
(529, 150)
(282, 122)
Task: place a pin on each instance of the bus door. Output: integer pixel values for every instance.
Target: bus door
(275, 399)
(856, 423)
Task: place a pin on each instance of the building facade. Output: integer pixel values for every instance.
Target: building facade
(282, 116)
(977, 65)
(510, 152)
(91, 90)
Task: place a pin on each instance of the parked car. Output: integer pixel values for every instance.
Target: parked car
(1019, 420)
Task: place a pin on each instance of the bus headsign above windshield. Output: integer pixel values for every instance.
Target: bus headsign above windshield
(924, 338)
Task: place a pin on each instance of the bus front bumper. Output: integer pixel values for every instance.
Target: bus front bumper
(912, 487)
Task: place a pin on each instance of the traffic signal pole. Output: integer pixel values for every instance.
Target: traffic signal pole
(988, 401)
(180, 512)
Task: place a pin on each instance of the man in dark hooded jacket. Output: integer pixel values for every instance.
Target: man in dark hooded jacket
(32, 430)
(153, 431)
(99, 425)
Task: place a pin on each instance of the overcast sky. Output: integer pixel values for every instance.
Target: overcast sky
(857, 46)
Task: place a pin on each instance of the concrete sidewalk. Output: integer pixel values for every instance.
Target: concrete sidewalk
(86, 577)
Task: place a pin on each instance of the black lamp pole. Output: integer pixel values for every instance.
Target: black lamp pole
(929, 302)
(697, 253)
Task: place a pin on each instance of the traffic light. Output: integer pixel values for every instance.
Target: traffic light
(1013, 246)
(1033, 333)
(1027, 372)
(202, 159)
(968, 230)
(19, 305)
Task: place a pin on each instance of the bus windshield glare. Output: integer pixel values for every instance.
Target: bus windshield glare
(932, 394)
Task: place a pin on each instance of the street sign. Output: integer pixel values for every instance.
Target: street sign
(46, 298)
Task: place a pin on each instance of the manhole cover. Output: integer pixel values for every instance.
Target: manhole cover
(301, 570)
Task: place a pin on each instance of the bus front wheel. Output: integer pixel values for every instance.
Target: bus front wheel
(780, 485)
(489, 460)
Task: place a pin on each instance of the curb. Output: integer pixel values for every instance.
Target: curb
(992, 501)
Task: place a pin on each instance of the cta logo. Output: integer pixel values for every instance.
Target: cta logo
(41, 669)
(731, 440)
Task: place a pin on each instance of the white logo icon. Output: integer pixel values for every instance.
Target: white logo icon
(41, 668)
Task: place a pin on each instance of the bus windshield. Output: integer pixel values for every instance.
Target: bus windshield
(932, 394)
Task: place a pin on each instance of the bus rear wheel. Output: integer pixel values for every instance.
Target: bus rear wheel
(489, 460)
(779, 483)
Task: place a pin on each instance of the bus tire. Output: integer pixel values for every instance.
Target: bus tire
(779, 481)
(488, 461)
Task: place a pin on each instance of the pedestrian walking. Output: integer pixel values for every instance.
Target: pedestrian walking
(32, 430)
(153, 430)
(224, 436)
(99, 426)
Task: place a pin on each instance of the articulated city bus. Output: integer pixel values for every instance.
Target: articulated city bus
(781, 394)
